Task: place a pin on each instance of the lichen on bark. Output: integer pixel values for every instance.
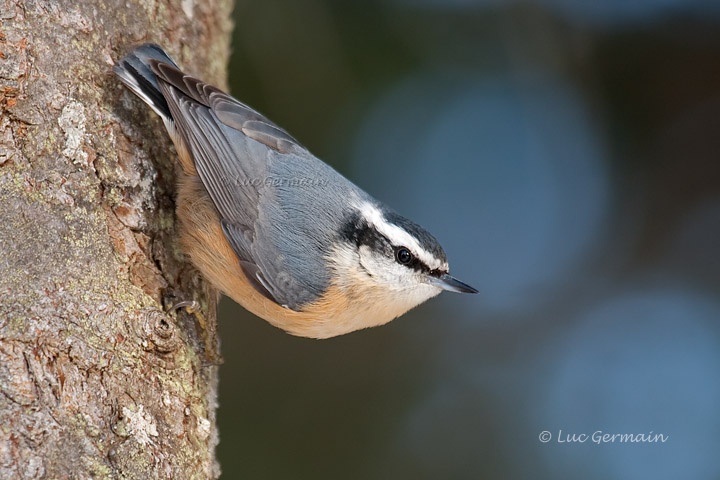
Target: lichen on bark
(96, 380)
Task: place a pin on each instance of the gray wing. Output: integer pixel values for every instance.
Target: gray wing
(236, 150)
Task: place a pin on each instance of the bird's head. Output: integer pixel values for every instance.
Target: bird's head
(390, 261)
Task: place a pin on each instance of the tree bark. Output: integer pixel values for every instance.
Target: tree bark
(96, 380)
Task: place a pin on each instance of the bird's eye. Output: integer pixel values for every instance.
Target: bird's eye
(403, 255)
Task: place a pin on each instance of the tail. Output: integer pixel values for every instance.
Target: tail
(134, 71)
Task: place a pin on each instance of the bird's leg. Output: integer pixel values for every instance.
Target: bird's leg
(210, 340)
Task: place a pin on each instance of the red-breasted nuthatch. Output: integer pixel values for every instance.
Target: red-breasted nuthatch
(274, 227)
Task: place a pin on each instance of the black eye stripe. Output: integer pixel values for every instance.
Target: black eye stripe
(357, 232)
(414, 262)
(426, 241)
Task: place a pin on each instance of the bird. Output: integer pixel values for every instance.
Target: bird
(272, 226)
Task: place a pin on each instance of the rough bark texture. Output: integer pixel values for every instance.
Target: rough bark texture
(96, 380)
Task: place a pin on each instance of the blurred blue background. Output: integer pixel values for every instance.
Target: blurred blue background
(566, 155)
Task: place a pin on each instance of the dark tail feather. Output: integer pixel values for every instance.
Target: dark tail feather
(134, 71)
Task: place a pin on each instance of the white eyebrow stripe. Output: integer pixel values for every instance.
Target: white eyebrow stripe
(398, 236)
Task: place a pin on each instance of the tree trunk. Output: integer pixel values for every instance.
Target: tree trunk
(96, 380)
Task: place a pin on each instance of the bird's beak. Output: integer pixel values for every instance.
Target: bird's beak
(446, 282)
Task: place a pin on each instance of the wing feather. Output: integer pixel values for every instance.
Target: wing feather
(229, 143)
